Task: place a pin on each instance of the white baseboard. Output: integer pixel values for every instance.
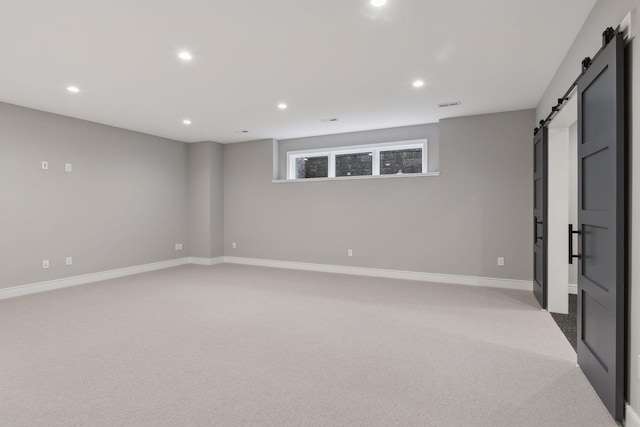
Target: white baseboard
(390, 274)
(33, 288)
(66, 282)
(573, 289)
(206, 261)
(631, 417)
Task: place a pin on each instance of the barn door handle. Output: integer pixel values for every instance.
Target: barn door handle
(535, 230)
(571, 233)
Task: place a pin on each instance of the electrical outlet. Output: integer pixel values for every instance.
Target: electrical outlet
(501, 261)
(45, 263)
(69, 260)
(178, 246)
(234, 245)
(45, 165)
(350, 252)
(68, 167)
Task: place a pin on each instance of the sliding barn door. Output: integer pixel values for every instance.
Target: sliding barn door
(601, 208)
(540, 161)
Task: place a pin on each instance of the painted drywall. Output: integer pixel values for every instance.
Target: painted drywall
(609, 13)
(200, 200)
(206, 213)
(456, 223)
(217, 201)
(123, 204)
(573, 191)
(558, 218)
(562, 203)
(405, 133)
(487, 166)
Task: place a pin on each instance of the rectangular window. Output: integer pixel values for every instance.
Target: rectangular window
(394, 158)
(312, 167)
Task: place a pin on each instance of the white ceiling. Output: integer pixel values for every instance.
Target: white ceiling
(324, 58)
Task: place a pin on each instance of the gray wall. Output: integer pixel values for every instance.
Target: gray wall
(217, 201)
(457, 223)
(406, 133)
(124, 204)
(206, 213)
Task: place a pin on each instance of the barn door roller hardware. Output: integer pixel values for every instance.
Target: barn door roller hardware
(608, 35)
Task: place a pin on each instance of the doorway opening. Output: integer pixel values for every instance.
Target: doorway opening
(562, 277)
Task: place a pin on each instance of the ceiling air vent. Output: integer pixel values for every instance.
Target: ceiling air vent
(449, 104)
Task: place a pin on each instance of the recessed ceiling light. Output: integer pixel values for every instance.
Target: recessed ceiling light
(418, 83)
(185, 56)
(282, 106)
(73, 89)
(378, 3)
(186, 122)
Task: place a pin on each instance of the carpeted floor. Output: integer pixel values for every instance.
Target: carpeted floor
(568, 323)
(236, 345)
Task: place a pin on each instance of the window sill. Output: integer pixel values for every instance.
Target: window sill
(349, 178)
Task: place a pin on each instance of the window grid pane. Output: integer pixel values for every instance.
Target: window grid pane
(312, 167)
(401, 161)
(354, 164)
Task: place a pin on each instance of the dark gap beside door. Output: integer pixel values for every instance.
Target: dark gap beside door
(568, 323)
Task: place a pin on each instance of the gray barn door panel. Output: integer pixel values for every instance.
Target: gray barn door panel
(540, 161)
(601, 209)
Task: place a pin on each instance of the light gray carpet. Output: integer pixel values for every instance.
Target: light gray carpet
(234, 345)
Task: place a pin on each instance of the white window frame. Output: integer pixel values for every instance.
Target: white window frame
(375, 149)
